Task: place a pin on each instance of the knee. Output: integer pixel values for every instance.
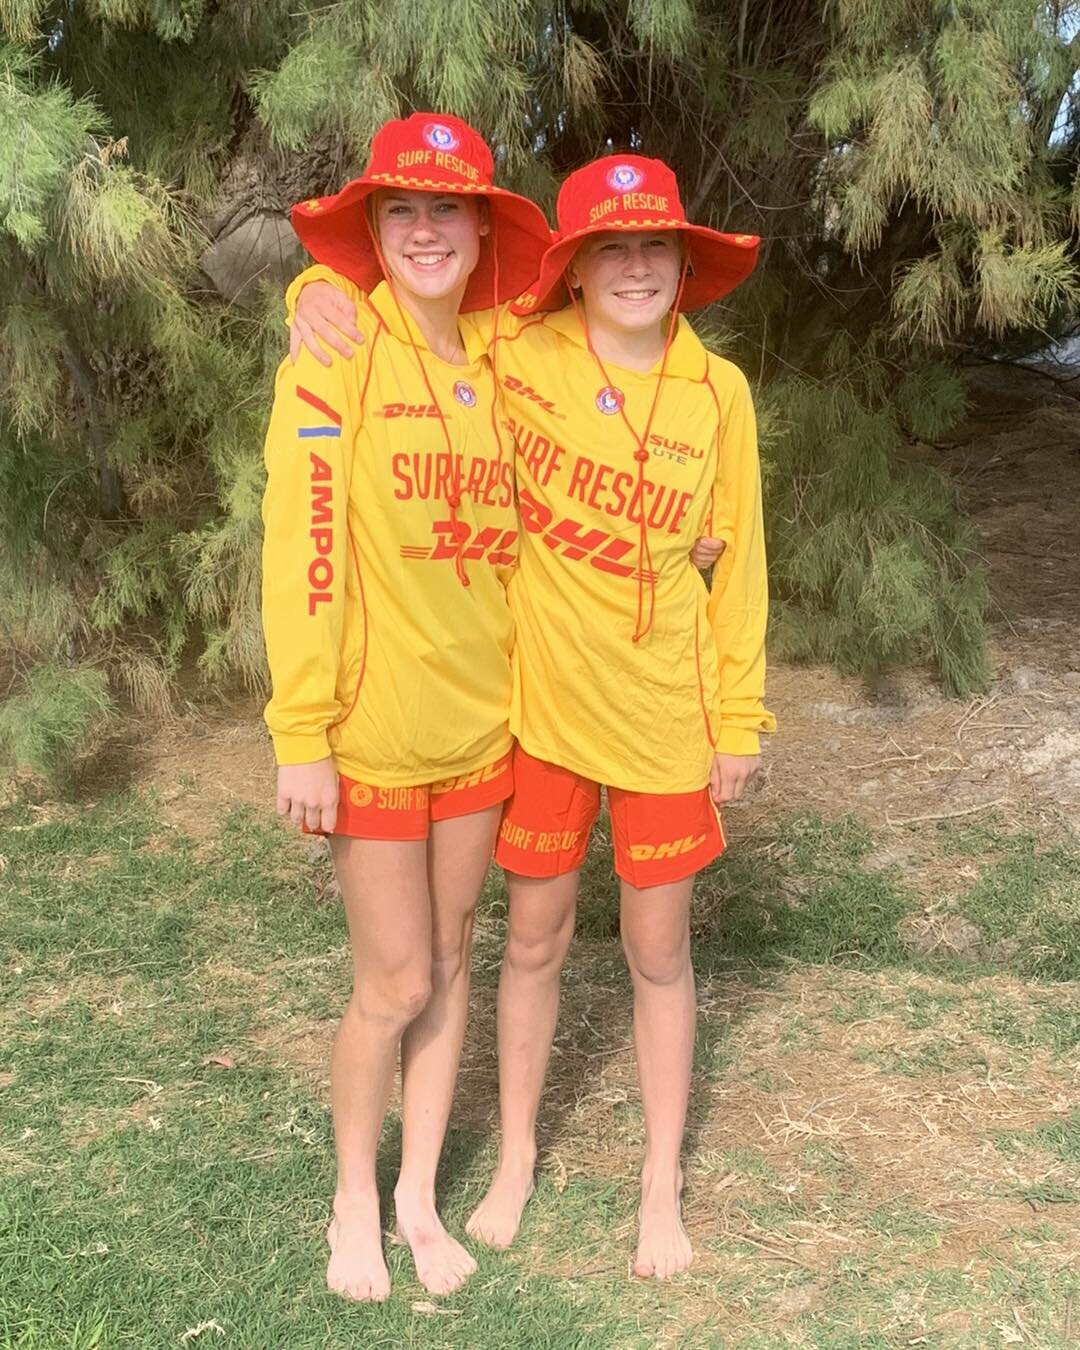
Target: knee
(394, 1001)
(450, 953)
(663, 966)
(538, 953)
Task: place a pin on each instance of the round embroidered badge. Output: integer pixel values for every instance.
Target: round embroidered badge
(609, 400)
(465, 394)
(624, 178)
(440, 137)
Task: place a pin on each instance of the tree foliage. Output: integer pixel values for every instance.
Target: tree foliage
(911, 164)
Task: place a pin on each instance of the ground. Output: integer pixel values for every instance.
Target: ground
(884, 1147)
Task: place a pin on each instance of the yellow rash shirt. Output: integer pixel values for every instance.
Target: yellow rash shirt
(645, 716)
(379, 656)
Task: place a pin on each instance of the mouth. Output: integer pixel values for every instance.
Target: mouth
(428, 262)
(638, 297)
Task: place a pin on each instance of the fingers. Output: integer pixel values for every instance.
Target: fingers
(294, 348)
(328, 818)
(310, 341)
(345, 317)
(284, 804)
(706, 551)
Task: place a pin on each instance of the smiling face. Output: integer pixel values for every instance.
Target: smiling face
(429, 240)
(628, 279)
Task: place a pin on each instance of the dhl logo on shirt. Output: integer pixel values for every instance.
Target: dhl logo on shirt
(526, 391)
(673, 848)
(408, 410)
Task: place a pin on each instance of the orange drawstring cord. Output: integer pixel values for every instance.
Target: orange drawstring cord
(492, 356)
(453, 499)
(641, 455)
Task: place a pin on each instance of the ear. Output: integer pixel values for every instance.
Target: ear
(485, 218)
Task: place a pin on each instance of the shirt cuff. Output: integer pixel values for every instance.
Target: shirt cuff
(737, 741)
(292, 748)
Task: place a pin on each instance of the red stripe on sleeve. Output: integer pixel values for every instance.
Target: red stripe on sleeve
(316, 402)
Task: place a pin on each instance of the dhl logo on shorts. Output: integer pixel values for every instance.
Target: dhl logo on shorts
(471, 780)
(674, 848)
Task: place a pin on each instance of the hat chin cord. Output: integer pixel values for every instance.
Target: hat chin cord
(458, 527)
(641, 456)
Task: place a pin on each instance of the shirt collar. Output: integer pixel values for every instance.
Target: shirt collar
(403, 326)
(686, 358)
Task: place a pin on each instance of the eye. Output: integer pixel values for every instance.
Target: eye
(446, 208)
(398, 209)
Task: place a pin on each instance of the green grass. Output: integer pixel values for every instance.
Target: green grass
(146, 1191)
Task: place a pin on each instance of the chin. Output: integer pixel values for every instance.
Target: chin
(638, 320)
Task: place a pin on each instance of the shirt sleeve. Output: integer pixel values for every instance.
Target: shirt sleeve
(308, 454)
(739, 600)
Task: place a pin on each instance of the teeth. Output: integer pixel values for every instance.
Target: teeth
(428, 259)
(635, 295)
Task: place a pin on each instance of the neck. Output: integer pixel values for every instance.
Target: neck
(437, 321)
(634, 349)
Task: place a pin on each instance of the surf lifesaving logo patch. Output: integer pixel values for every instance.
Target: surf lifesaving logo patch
(624, 178)
(609, 400)
(465, 394)
(440, 137)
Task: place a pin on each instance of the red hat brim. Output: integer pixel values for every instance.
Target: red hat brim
(336, 231)
(718, 263)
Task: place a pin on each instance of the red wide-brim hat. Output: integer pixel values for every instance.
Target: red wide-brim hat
(428, 152)
(632, 193)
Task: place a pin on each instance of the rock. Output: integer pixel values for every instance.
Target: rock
(260, 248)
(1071, 678)
(1025, 678)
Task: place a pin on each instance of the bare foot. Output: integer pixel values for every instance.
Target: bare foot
(442, 1263)
(496, 1219)
(663, 1244)
(357, 1269)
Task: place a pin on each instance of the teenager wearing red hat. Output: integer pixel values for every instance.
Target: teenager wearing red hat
(390, 534)
(631, 440)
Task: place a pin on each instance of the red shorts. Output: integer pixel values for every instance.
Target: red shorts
(366, 812)
(658, 837)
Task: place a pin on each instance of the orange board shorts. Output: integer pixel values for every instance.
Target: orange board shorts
(658, 837)
(368, 812)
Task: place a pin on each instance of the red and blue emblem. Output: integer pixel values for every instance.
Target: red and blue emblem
(610, 400)
(440, 137)
(465, 394)
(625, 178)
(332, 424)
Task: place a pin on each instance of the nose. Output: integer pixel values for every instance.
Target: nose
(424, 226)
(637, 261)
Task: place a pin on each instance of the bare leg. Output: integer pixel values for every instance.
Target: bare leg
(656, 940)
(541, 926)
(384, 886)
(459, 852)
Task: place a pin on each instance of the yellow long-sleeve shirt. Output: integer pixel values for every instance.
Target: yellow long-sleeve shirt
(646, 715)
(378, 655)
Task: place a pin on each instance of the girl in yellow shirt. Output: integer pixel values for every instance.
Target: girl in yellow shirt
(390, 534)
(628, 674)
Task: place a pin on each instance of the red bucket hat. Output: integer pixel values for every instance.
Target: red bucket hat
(428, 152)
(630, 192)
